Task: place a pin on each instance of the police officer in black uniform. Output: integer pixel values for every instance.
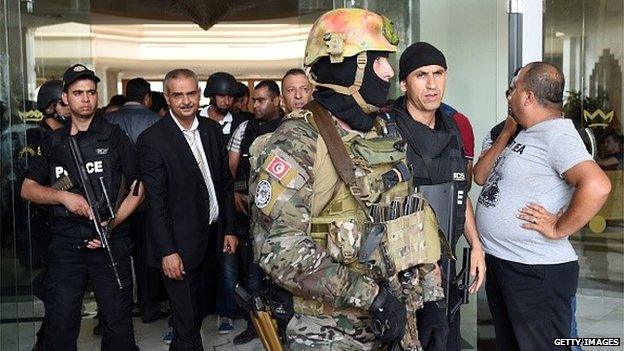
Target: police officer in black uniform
(435, 153)
(74, 253)
(55, 115)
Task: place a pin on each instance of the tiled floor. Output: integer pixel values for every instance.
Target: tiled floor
(600, 312)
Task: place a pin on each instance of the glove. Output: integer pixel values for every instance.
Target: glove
(389, 316)
(432, 327)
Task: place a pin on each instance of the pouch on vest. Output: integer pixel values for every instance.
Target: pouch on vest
(402, 243)
(344, 241)
(376, 151)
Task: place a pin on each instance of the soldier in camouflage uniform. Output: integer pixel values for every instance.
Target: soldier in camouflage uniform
(311, 228)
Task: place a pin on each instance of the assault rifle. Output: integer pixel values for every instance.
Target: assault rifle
(443, 198)
(89, 194)
(262, 318)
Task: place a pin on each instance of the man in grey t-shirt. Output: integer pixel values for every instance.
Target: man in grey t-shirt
(543, 188)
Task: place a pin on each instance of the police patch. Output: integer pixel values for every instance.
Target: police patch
(101, 151)
(263, 194)
(278, 167)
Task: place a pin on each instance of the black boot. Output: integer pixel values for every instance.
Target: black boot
(246, 336)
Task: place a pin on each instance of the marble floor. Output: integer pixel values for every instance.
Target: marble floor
(600, 313)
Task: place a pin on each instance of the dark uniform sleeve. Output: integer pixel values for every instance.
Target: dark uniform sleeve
(127, 157)
(39, 167)
(282, 183)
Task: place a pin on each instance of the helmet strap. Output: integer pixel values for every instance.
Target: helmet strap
(354, 89)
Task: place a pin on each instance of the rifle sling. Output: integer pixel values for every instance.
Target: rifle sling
(336, 149)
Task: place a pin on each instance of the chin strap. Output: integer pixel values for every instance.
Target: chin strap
(354, 89)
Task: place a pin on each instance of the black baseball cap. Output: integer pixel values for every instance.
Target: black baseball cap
(78, 71)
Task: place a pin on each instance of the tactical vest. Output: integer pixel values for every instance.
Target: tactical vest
(101, 159)
(395, 230)
(454, 164)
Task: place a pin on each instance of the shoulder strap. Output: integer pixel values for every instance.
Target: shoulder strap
(336, 148)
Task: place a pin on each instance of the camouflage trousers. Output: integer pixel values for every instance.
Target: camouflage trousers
(350, 329)
(339, 331)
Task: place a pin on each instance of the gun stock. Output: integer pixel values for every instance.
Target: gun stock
(261, 317)
(463, 283)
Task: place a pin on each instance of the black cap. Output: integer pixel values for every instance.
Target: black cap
(78, 71)
(418, 55)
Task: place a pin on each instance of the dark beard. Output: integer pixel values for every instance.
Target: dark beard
(221, 111)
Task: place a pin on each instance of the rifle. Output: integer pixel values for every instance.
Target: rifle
(443, 199)
(89, 193)
(262, 318)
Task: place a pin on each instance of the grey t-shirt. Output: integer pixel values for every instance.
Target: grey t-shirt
(530, 170)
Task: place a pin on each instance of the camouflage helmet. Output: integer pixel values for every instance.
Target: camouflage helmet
(344, 33)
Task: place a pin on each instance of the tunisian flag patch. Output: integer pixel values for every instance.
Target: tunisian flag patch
(278, 167)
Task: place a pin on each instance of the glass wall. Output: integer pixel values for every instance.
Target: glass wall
(39, 39)
(33, 49)
(585, 38)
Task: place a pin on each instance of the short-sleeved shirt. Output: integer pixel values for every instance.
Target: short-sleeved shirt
(493, 134)
(530, 170)
(237, 137)
(466, 132)
(53, 160)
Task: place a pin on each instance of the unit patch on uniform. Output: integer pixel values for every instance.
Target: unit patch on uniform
(101, 151)
(278, 167)
(263, 194)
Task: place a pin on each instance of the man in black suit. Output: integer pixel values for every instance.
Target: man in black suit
(182, 160)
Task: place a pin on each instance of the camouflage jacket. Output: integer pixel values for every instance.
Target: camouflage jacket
(285, 191)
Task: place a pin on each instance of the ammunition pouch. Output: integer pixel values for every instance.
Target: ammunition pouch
(399, 244)
(379, 250)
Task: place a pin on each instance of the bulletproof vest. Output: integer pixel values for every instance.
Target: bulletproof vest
(253, 130)
(449, 165)
(101, 161)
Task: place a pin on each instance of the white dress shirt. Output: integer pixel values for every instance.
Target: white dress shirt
(195, 143)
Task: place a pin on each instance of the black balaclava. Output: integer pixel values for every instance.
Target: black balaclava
(374, 90)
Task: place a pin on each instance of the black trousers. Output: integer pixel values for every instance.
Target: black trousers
(530, 304)
(149, 278)
(185, 310)
(69, 269)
